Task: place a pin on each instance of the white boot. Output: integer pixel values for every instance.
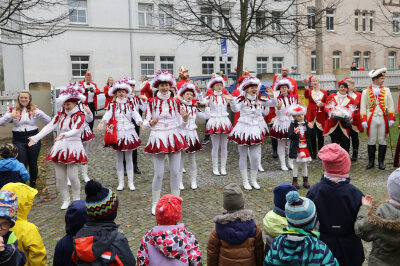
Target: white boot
(260, 168)
(193, 179)
(130, 179)
(184, 170)
(120, 175)
(65, 197)
(223, 166)
(245, 179)
(215, 166)
(68, 181)
(253, 179)
(84, 173)
(283, 162)
(156, 196)
(176, 192)
(181, 187)
(290, 163)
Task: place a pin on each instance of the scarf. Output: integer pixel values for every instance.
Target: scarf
(164, 96)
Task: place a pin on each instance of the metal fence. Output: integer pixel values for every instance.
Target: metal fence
(362, 79)
(8, 99)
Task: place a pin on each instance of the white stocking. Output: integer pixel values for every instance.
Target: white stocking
(174, 168)
(305, 170)
(223, 141)
(128, 160)
(158, 164)
(254, 156)
(243, 151)
(192, 161)
(119, 161)
(72, 172)
(61, 176)
(215, 145)
(295, 168)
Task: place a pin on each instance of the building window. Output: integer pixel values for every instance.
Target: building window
(357, 57)
(356, 20)
(277, 64)
(311, 18)
(207, 65)
(260, 19)
(364, 21)
(77, 11)
(366, 58)
(262, 64)
(221, 20)
(147, 65)
(330, 20)
(167, 63)
(80, 64)
(206, 16)
(164, 16)
(276, 21)
(392, 59)
(371, 22)
(396, 23)
(228, 65)
(337, 59)
(313, 61)
(145, 15)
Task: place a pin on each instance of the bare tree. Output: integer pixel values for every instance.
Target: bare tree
(242, 21)
(27, 21)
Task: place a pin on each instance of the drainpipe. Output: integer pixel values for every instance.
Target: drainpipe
(130, 36)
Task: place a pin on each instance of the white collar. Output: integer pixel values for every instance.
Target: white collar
(187, 103)
(118, 100)
(250, 97)
(164, 96)
(217, 93)
(341, 95)
(73, 111)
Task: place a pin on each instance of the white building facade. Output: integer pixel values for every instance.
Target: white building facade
(122, 38)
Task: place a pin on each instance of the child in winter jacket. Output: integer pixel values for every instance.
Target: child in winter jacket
(11, 170)
(10, 255)
(98, 242)
(337, 204)
(380, 223)
(275, 220)
(299, 245)
(30, 241)
(169, 243)
(75, 218)
(236, 239)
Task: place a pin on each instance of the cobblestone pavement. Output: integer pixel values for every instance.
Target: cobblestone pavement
(199, 206)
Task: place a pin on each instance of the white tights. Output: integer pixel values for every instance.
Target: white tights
(119, 157)
(174, 165)
(192, 161)
(70, 170)
(296, 166)
(377, 129)
(219, 140)
(282, 145)
(86, 147)
(254, 152)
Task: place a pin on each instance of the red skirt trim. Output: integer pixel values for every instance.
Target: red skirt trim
(249, 141)
(68, 158)
(219, 130)
(179, 146)
(193, 147)
(129, 146)
(87, 137)
(279, 134)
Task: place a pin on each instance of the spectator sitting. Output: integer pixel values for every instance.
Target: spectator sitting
(236, 239)
(9, 252)
(30, 241)
(354, 67)
(380, 224)
(75, 218)
(299, 245)
(275, 220)
(11, 170)
(169, 243)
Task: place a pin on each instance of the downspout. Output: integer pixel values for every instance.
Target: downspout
(130, 36)
(297, 38)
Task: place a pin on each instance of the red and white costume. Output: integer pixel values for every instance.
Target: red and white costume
(90, 96)
(316, 115)
(331, 124)
(356, 124)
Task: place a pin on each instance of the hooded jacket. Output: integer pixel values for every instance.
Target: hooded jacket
(30, 241)
(235, 240)
(381, 225)
(11, 256)
(169, 245)
(273, 224)
(11, 170)
(100, 243)
(298, 247)
(75, 218)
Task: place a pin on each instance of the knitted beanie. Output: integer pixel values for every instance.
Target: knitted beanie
(8, 205)
(280, 193)
(233, 198)
(300, 212)
(336, 160)
(101, 202)
(169, 210)
(393, 185)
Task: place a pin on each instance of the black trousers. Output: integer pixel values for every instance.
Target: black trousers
(337, 136)
(355, 142)
(134, 152)
(93, 110)
(315, 135)
(27, 155)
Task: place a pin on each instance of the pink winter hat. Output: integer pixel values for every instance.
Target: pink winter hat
(169, 210)
(336, 160)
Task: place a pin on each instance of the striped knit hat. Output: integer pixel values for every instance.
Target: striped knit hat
(101, 202)
(300, 212)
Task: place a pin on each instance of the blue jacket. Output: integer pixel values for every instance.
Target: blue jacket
(11, 256)
(337, 207)
(12, 171)
(75, 218)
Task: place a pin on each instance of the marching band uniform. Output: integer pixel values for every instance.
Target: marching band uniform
(128, 140)
(377, 115)
(91, 92)
(219, 125)
(67, 153)
(356, 126)
(250, 130)
(282, 122)
(165, 136)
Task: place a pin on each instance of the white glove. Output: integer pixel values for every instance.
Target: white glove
(364, 125)
(391, 123)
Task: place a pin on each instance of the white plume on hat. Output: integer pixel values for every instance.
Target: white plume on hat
(283, 82)
(249, 81)
(76, 85)
(129, 81)
(296, 109)
(162, 76)
(70, 93)
(375, 72)
(119, 85)
(188, 86)
(215, 79)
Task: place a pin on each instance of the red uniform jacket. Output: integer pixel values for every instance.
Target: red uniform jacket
(313, 111)
(147, 91)
(108, 98)
(96, 92)
(356, 115)
(331, 123)
(180, 83)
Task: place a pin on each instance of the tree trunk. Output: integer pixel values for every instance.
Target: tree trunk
(319, 38)
(240, 60)
(244, 8)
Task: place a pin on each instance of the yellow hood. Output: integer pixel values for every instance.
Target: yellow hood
(25, 195)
